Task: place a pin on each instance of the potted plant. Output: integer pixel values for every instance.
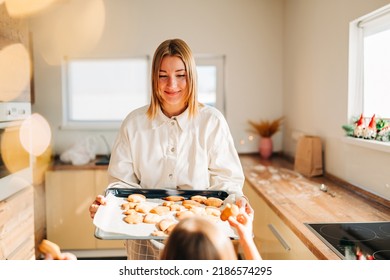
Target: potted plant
(265, 129)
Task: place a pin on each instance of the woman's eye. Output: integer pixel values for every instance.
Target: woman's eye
(162, 77)
(181, 76)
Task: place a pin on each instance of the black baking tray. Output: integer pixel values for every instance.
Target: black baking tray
(161, 193)
(153, 194)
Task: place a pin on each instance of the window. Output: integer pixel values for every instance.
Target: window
(99, 93)
(370, 65)
(211, 89)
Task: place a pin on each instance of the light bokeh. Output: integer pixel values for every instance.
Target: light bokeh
(14, 156)
(35, 134)
(15, 71)
(71, 29)
(25, 8)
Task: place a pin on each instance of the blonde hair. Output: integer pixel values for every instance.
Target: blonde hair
(196, 238)
(178, 48)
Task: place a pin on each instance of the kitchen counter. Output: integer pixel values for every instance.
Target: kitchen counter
(298, 200)
(101, 162)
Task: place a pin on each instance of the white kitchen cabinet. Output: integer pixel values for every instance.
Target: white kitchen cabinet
(17, 226)
(69, 193)
(273, 238)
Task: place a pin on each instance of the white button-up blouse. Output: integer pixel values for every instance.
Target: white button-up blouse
(176, 153)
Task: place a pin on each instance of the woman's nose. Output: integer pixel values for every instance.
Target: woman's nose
(172, 82)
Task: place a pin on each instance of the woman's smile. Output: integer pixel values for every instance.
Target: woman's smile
(173, 85)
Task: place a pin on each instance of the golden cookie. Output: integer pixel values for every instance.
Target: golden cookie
(151, 218)
(129, 211)
(170, 228)
(168, 203)
(160, 210)
(165, 223)
(174, 198)
(229, 210)
(128, 205)
(190, 203)
(158, 233)
(184, 214)
(143, 208)
(135, 218)
(176, 207)
(200, 211)
(199, 198)
(213, 211)
(136, 197)
(213, 201)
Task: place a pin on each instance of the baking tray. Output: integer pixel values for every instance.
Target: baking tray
(161, 193)
(143, 231)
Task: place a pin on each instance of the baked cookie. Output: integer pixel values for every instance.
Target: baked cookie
(143, 208)
(200, 211)
(136, 197)
(160, 210)
(167, 203)
(151, 218)
(128, 205)
(199, 198)
(229, 210)
(170, 228)
(190, 203)
(213, 211)
(165, 223)
(135, 218)
(158, 233)
(129, 211)
(184, 214)
(213, 201)
(174, 198)
(177, 207)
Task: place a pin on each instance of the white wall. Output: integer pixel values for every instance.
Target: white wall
(316, 87)
(247, 32)
(284, 57)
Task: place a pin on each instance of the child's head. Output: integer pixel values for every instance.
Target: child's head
(196, 238)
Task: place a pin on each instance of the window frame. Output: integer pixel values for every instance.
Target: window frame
(201, 60)
(67, 123)
(356, 77)
(219, 62)
(356, 61)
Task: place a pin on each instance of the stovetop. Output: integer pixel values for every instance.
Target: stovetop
(355, 241)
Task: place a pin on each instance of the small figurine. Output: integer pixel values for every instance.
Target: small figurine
(370, 131)
(359, 127)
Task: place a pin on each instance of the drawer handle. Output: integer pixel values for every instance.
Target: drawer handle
(279, 237)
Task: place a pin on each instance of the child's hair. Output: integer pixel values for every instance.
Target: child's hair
(196, 238)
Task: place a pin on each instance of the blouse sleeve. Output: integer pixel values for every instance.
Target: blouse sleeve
(224, 164)
(120, 170)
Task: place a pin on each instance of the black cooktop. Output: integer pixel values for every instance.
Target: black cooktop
(355, 241)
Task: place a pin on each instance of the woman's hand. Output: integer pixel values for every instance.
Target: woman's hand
(100, 200)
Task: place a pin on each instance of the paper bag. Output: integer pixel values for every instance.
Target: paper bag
(308, 156)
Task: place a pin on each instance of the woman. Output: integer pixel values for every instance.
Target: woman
(199, 239)
(174, 142)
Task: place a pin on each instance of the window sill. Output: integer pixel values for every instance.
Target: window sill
(91, 126)
(370, 144)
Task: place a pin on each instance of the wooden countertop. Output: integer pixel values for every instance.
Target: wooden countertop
(298, 200)
(101, 163)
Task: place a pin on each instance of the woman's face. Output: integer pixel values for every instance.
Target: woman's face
(172, 84)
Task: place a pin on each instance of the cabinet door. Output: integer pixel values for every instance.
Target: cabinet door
(69, 194)
(274, 239)
(101, 179)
